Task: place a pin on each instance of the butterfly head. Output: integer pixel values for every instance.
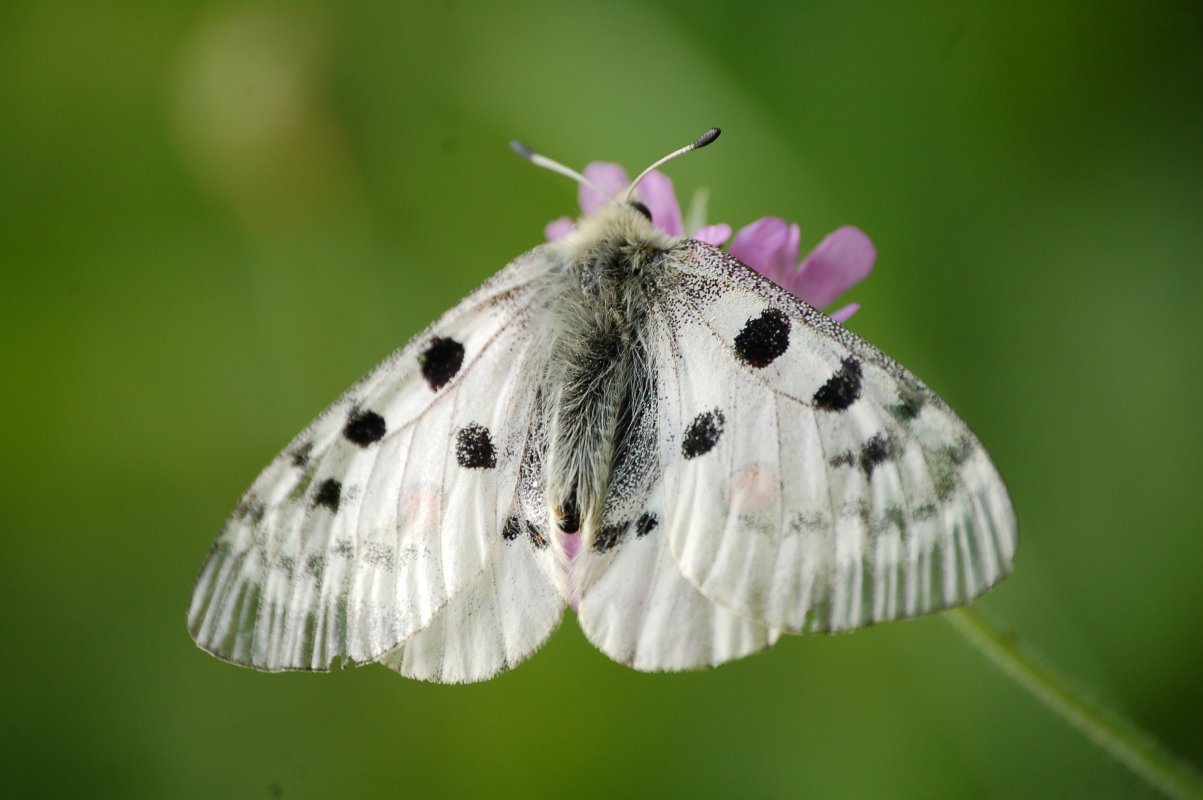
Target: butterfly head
(618, 233)
(622, 227)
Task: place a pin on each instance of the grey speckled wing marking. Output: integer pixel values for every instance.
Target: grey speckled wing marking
(391, 506)
(812, 483)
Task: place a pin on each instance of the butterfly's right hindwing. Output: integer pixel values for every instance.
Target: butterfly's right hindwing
(392, 503)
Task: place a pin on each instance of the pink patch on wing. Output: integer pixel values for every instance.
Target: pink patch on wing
(423, 509)
(752, 489)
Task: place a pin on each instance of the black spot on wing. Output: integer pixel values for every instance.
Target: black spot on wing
(891, 518)
(844, 459)
(300, 456)
(910, 403)
(329, 493)
(364, 427)
(959, 453)
(702, 434)
(925, 512)
(878, 449)
(646, 523)
(286, 564)
(515, 527)
(440, 361)
(763, 338)
(610, 537)
(474, 447)
(842, 389)
(536, 536)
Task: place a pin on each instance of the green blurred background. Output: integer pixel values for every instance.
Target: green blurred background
(215, 216)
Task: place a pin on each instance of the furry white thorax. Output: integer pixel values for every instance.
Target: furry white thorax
(614, 263)
(613, 224)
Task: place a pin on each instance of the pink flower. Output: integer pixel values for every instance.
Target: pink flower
(769, 245)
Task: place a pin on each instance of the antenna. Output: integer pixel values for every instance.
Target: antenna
(555, 166)
(697, 144)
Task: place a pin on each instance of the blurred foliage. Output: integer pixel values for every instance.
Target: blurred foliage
(215, 216)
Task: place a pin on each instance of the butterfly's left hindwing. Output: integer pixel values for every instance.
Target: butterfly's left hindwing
(813, 484)
(391, 508)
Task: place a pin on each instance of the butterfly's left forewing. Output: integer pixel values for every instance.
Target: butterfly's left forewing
(812, 483)
(392, 504)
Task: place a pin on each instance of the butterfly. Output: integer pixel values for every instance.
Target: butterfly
(631, 424)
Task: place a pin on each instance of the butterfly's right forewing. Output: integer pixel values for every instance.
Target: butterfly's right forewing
(392, 503)
(812, 483)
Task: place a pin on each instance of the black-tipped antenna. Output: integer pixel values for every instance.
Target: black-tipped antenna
(555, 166)
(698, 143)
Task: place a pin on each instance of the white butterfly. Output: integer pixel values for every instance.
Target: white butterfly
(632, 424)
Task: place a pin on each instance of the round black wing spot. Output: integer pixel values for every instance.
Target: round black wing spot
(364, 427)
(842, 388)
(702, 434)
(763, 339)
(329, 494)
(610, 536)
(440, 361)
(646, 523)
(877, 450)
(474, 447)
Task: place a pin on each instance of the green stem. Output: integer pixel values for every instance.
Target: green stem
(1120, 738)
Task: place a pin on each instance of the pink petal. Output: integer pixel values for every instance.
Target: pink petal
(845, 313)
(558, 229)
(610, 177)
(658, 195)
(713, 234)
(770, 246)
(838, 263)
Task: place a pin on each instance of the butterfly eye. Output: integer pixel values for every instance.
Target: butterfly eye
(642, 209)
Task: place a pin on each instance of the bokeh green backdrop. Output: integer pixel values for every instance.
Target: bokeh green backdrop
(216, 216)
